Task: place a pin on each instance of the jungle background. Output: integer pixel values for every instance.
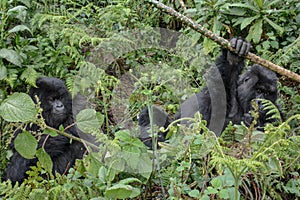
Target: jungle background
(112, 52)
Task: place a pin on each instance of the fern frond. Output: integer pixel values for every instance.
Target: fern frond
(272, 110)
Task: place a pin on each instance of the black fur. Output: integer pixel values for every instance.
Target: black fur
(161, 119)
(228, 94)
(56, 103)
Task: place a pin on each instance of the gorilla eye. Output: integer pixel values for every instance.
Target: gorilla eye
(246, 79)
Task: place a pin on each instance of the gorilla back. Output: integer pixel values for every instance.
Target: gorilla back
(56, 103)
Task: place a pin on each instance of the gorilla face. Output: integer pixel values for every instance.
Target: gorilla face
(55, 100)
(256, 83)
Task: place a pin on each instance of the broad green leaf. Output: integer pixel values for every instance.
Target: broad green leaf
(216, 183)
(194, 193)
(26, 144)
(102, 174)
(87, 120)
(129, 180)
(121, 191)
(3, 72)
(211, 190)
(19, 107)
(11, 56)
(123, 135)
(19, 28)
(45, 160)
(223, 194)
(275, 26)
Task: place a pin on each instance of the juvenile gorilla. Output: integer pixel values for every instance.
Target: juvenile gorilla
(56, 103)
(227, 98)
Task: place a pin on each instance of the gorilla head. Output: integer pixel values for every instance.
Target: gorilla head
(55, 99)
(256, 83)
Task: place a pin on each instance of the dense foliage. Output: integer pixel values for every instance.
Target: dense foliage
(112, 52)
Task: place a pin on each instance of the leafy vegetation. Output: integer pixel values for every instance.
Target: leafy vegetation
(110, 52)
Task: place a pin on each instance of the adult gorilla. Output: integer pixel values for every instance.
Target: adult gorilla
(228, 95)
(56, 103)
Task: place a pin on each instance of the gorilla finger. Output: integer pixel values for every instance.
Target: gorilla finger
(233, 42)
(244, 49)
(239, 44)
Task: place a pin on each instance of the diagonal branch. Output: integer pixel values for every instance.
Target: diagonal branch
(223, 42)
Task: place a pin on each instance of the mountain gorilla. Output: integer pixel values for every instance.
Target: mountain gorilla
(56, 103)
(227, 98)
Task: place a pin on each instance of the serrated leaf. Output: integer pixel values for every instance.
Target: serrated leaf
(19, 28)
(26, 144)
(87, 120)
(45, 160)
(19, 107)
(11, 56)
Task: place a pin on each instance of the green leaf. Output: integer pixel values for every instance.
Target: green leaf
(194, 193)
(247, 21)
(45, 160)
(123, 135)
(26, 144)
(255, 32)
(121, 191)
(211, 190)
(19, 28)
(275, 26)
(52, 133)
(18, 12)
(223, 194)
(130, 180)
(3, 72)
(11, 56)
(29, 75)
(259, 3)
(87, 120)
(19, 107)
(245, 5)
(216, 183)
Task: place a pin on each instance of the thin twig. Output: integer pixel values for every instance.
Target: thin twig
(223, 42)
